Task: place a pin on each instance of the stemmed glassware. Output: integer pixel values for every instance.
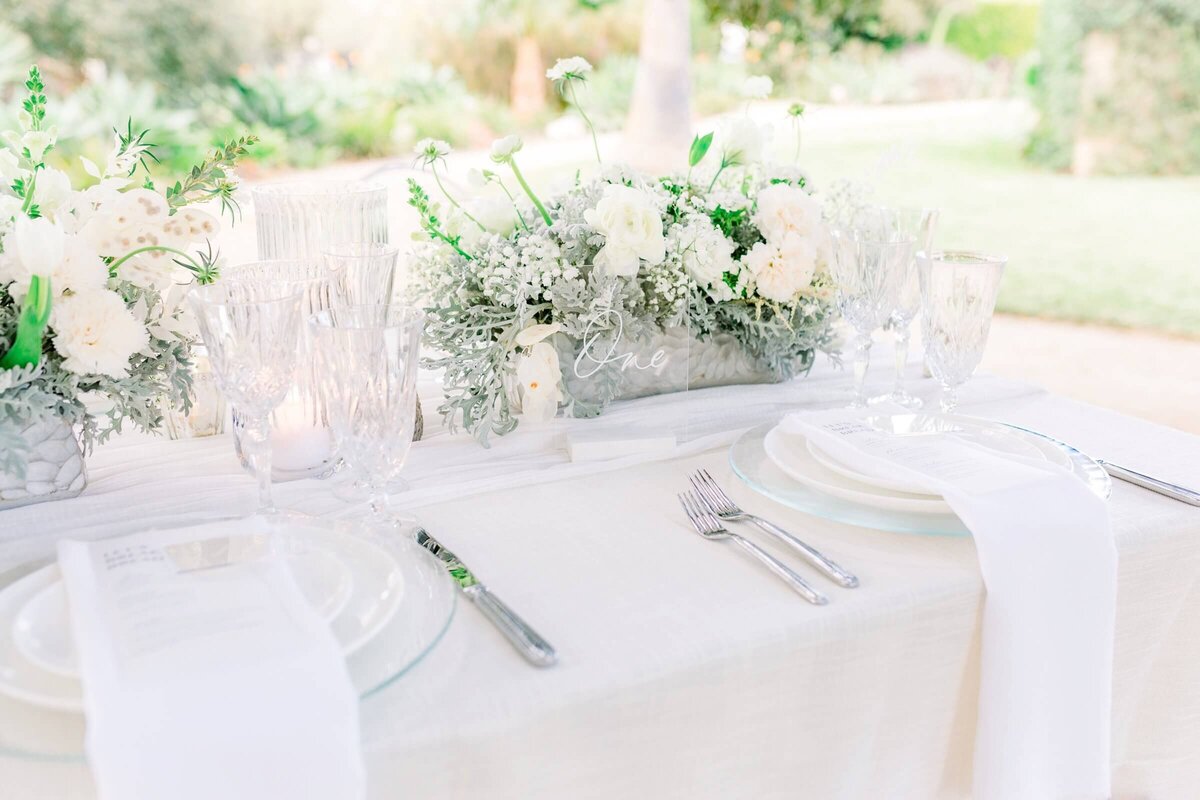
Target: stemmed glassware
(958, 298)
(921, 224)
(869, 268)
(250, 328)
(361, 273)
(368, 357)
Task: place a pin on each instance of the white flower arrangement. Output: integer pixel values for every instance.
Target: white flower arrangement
(92, 280)
(739, 249)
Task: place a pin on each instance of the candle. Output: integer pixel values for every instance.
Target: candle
(301, 444)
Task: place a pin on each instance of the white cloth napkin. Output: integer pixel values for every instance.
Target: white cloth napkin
(1049, 565)
(204, 681)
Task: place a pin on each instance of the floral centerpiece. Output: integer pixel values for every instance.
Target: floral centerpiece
(733, 254)
(91, 282)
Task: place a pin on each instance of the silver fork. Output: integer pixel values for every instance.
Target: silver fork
(709, 527)
(722, 505)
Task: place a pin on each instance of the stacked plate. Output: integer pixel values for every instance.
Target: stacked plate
(796, 472)
(387, 604)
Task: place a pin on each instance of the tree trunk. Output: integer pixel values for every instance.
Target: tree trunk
(528, 87)
(659, 125)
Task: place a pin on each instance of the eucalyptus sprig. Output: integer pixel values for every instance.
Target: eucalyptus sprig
(213, 179)
(35, 104)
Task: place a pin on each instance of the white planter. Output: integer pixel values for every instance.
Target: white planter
(55, 469)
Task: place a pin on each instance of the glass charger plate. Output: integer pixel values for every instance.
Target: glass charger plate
(750, 463)
(419, 622)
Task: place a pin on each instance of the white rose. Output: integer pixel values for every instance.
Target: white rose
(632, 228)
(504, 149)
(539, 378)
(707, 255)
(575, 67)
(96, 334)
(497, 214)
(782, 269)
(742, 140)
(784, 210)
(757, 87)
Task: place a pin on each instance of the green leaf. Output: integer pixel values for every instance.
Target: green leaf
(699, 149)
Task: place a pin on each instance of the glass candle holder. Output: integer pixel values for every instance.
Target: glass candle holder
(302, 219)
(301, 442)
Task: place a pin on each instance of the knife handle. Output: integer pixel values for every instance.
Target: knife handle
(537, 651)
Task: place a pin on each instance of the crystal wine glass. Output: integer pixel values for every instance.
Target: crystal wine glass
(368, 357)
(868, 269)
(921, 224)
(958, 298)
(250, 328)
(361, 273)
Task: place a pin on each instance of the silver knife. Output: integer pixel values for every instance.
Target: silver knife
(529, 643)
(1180, 493)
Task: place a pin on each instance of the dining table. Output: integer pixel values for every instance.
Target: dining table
(684, 669)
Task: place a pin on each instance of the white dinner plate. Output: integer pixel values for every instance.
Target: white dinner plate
(42, 630)
(351, 582)
(791, 454)
(998, 438)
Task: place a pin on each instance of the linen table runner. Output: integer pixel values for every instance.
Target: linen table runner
(1049, 563)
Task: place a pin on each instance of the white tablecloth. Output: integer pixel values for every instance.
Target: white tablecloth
(686, 670)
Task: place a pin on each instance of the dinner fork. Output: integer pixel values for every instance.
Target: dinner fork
(722, 505)
(708, 526)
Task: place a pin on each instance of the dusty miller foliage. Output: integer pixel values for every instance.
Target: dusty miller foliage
(480, 294)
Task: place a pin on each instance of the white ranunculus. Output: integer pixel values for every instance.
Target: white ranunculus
(459, 224)
(38, 244)
(539, 378)
(574, 67)
(782, 269)
(536, 333)
(742, 140)
(632, 228)
(757, 87)
(784, 210)
(497, 214)
(476, 179)
(96, 334)
(52, 191)
(505, 148)
(432, 148)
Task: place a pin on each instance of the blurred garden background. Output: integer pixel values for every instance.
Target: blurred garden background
(1063, 133)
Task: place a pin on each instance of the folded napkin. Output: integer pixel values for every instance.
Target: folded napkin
(205, 672)
(1049, 564)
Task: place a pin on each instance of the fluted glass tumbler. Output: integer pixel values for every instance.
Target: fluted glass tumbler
(250, 330)
(958, 297)
(301, 442)
(368, 358)
(302, 219)
(869, 269)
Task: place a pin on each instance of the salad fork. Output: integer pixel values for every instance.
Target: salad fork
(722, 505)
(709, 527)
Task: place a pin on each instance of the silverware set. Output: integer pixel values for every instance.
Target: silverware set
(708, 506)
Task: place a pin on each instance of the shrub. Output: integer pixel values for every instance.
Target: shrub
(1007, 30)
(1119, 86)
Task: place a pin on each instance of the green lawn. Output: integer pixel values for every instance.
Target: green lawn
(1120, 251)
